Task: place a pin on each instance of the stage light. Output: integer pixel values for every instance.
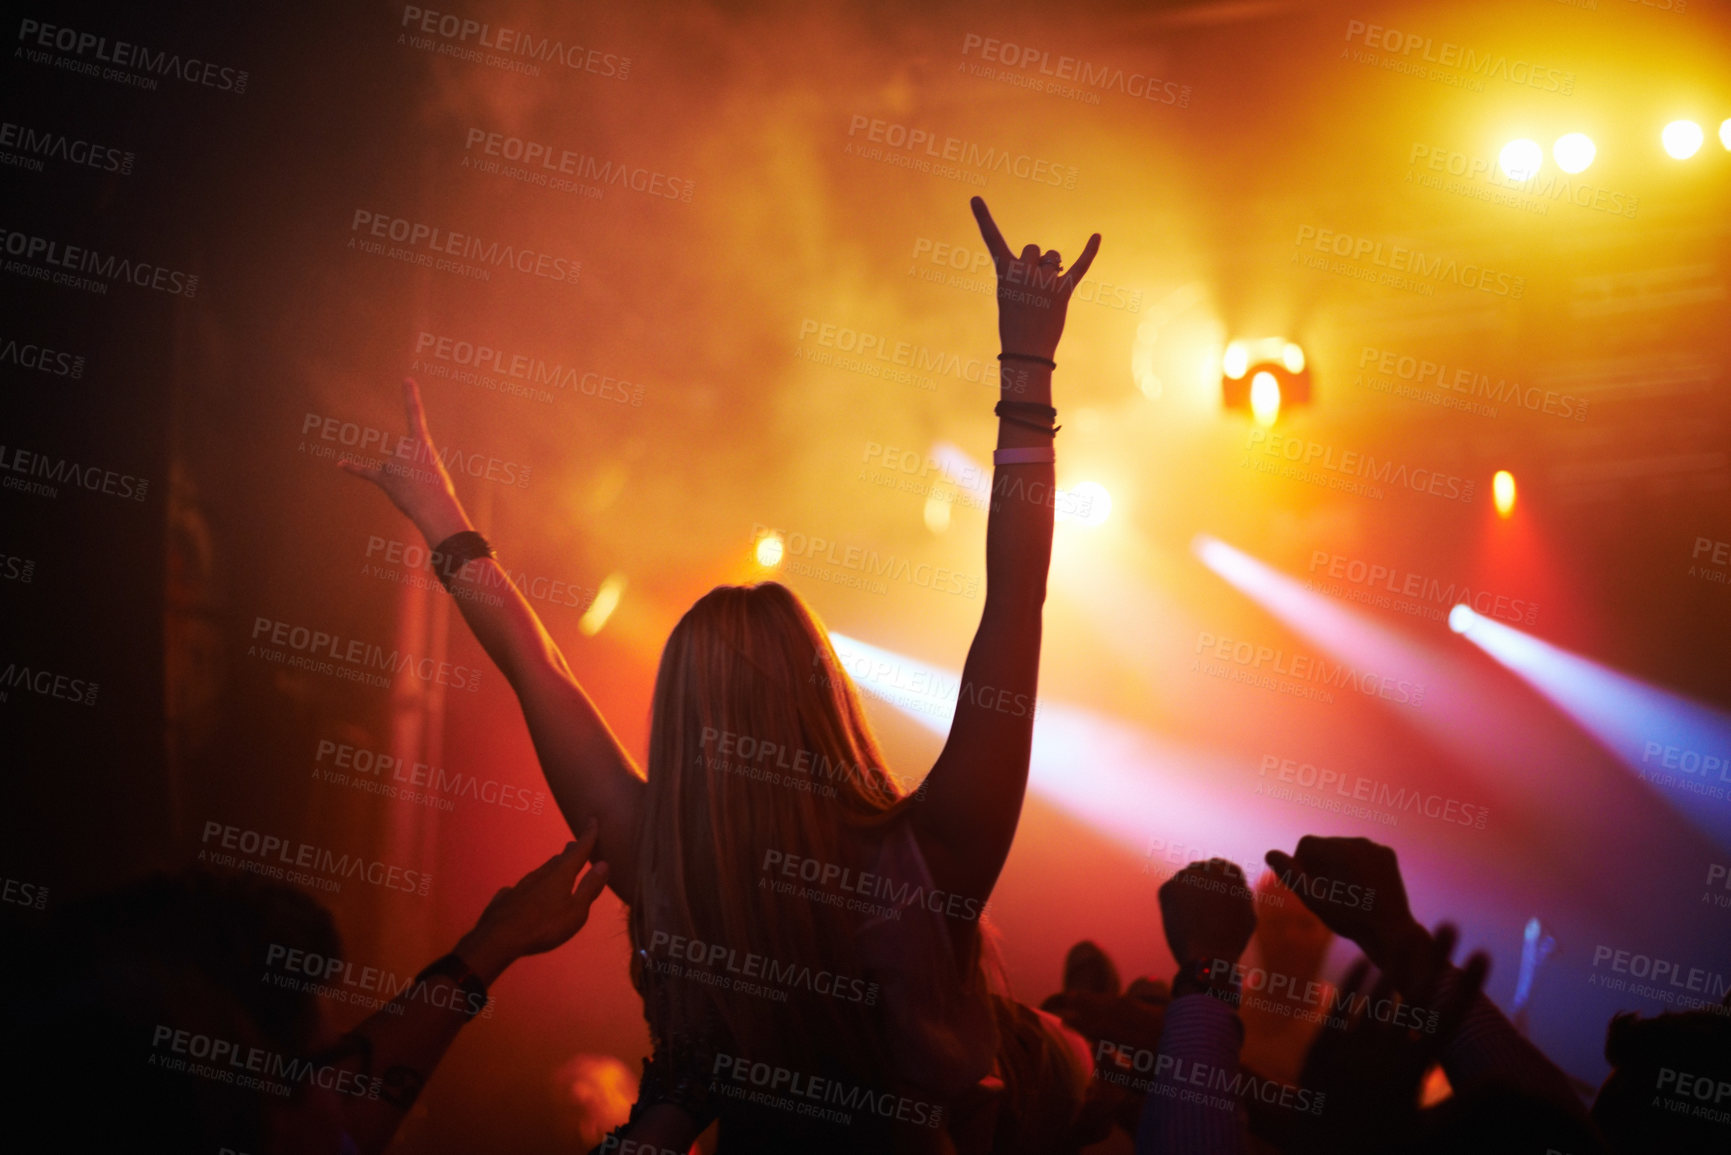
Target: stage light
(1503, 492)
(1092, 503)
(1725, 132)
(1574, 152)
(1236, 360)
(1679, 747)
(606, 601)
(1264, 398)
(1682, 138)
(1461, 619)
(1129, 773)
(1264, 375)
(769, 550)
(1520, 159)
(1346, 633)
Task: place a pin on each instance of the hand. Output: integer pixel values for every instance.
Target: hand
(414, 477)
(1033, 294)
(1353, 885)
(1208, 912)
(1365, 1075)
(539, 913)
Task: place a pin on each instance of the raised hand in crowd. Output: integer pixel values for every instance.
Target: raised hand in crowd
(1208, 913)
(1366, 1068)
(1354, 886)
(404, 1041)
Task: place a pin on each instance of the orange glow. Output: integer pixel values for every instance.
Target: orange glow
(1503, 492)
(606, 601)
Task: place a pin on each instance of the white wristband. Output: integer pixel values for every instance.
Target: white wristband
(1033, 455)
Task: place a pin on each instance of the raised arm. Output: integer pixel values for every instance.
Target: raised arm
(587, 770)
(974, 793)
(402, 1043)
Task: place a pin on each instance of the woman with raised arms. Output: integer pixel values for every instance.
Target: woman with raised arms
(889, 1036)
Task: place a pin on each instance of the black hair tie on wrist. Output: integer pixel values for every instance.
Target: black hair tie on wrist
(1046, 361)
(1031, 407)
(453, 967)
(451, 555)
(1047, 411)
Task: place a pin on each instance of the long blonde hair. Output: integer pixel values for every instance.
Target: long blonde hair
(748, 687)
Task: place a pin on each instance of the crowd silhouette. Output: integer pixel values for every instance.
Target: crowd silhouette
(865, 1011)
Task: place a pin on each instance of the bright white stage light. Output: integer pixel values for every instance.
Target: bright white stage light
(1520, 159)
(1236, 360)
(1461, 619)
(1574, 152)
(1264, 399)
(1682, 138)
(1091, 502)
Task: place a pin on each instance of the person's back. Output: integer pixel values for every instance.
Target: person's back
(795, 953)
(691, 842)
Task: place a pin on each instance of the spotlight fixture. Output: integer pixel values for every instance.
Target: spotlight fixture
(1503, 492)
(1682, 138)
(1574, 152)
(1520, 159)
(1264, 375)
(769, 550)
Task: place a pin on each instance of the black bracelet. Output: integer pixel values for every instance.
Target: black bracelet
(451, 555)
(1046, 411)
(471, 984)
(1046, 361)
(1048, 430)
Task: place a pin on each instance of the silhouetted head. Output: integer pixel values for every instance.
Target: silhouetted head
(1670, 1084)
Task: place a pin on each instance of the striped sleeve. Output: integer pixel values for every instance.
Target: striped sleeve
(1192, 1106)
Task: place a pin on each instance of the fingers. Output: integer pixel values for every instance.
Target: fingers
(568, 863)
(585, 840)
(1477, 968)
(590, 887)
(1443, 944)
(1031, 253)
(995, 243)
(1278, 861)
(1454, 1010)
(1080, 268)
(412, 407)
(372, 473)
